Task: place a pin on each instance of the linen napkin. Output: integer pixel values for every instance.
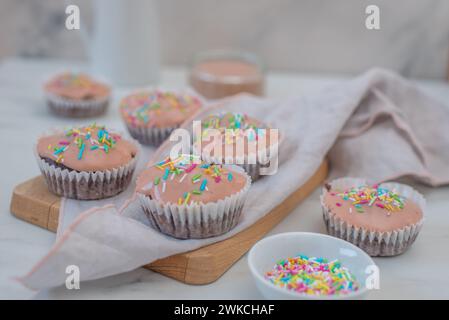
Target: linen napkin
(378, 126)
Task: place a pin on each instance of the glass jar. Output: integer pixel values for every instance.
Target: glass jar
(219, 74)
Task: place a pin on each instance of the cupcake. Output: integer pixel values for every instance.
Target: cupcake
(383, 220)
(76, 95)
(151, 116)
(185, 199)
(86, 163)
(237, 141)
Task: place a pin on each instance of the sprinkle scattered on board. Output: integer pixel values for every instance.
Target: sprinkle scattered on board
(313, 276)
(369, 196)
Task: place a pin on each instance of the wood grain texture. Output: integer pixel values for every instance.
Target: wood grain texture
(31, 201)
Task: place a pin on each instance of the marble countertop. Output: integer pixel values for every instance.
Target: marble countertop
(420, 273)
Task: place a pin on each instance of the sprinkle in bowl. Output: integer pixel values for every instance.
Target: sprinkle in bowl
(333, 257)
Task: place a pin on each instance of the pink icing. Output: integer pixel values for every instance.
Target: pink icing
(176, 188)
(158, 108)
(374, 218)
(76, 87)
(92, 160)
(229, 144)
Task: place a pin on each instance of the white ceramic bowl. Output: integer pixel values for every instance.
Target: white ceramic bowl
(264, 254)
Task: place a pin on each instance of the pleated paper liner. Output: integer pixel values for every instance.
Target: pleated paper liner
(86, 185)
(197, 220)
(374, 243)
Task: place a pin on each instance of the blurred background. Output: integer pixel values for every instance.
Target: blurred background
(324, 36)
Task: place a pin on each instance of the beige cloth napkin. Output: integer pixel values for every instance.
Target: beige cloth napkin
(376, 126)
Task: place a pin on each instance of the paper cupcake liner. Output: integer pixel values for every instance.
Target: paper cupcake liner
(252, 169)
(374, 243)
(77, 108)
(87, 185)
(197, 220)
(150, 136)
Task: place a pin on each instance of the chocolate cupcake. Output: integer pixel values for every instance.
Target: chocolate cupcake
(86, 163)
(188, 200)
(76, 95)
(383, 220)
(151, 116)
(236, 138)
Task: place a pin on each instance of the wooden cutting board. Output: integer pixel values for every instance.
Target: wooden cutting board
(31, 201)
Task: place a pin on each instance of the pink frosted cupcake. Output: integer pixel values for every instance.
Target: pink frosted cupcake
(239, 142)
(76, 95)
(383, 220)
(151, 116)
(188, 200)
(86, 163)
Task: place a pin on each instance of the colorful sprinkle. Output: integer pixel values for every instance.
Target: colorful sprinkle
(193, 166)
(143, 107)
(365, 196)
(313, 276)
(167, 172)
(196, 178)
(187, 198)
(233, 125)
(202, 175)
(183, 177)
(82, 139)
(80, 154)
(203, 185)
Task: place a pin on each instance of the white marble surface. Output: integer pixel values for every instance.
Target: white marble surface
(420, 273)
(300, 35)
